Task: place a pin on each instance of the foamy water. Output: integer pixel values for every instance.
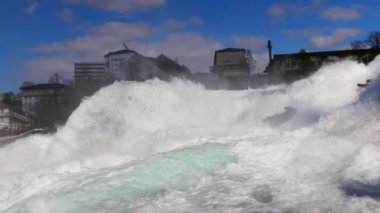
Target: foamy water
(177, 147)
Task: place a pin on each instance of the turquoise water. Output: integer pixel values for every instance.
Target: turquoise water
(113, 190)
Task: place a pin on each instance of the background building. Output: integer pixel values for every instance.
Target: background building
(89, 71)
(129, 65)
(232, 62)
(291, 67)
(33, 95)
(170, 66)
(12, 119)
(46, 104)
(141, 68)
(114, 61)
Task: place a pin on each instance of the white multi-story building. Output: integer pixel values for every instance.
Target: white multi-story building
(116, 60)
(129, 65)
(89, 71)
(11, 119)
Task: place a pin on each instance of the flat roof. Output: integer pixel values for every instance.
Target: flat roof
(330, 53)
(120, 52)
(45, 86)
(231, 50)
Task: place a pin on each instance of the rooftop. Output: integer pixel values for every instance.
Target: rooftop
(120, 52)
(45, 86)
(330, 53)
(165, 62)
(231, 50)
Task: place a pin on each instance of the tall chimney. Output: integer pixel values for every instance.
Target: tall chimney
(269, 46)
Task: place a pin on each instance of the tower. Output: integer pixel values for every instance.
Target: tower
(269, 46)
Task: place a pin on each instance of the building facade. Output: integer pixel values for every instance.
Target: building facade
(129, 65)
(291, 67)
(114, 63)
(12, 119)
(89, 71)
(141, 68)
(232, 62)
(170, 66)
(32, 95)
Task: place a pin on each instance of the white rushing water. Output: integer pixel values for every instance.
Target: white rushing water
(177, 147)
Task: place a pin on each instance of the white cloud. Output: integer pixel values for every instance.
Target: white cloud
(60, 56)
(335, 38)
(32, 8)
(100, 39)
(177, 24)
(120, 29)
(66, 15)
(317, 2)
(279, 11)
(308, 32)
(276, 11)
(39, 69)
(121, 5)
(190, 49)
(195, 20)
(174, 24)
(341, 13)
(253, 43)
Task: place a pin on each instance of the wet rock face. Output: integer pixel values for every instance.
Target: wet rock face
(358, 189)
(263, 194)
(364, 85)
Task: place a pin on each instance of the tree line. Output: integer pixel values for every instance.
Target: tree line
(372, 42)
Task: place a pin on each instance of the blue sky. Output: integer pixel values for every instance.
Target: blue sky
(41, 37)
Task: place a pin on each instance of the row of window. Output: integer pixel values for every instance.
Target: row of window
(30, 98)
(4, 110)
(3, 120)
(27, 105)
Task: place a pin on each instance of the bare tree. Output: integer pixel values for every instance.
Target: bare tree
(57, 79)
(373, 40)
(358, 45)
